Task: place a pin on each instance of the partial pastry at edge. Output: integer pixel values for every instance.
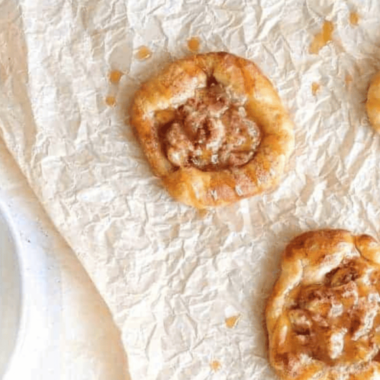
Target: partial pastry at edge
(323, 317)
(213, 129)
(373, 103)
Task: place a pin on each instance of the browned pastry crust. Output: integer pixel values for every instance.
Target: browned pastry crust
(373, 103)
(323, 317)
(213, 129)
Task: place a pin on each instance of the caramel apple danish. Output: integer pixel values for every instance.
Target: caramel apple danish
(213, 129)
(323, 317)
(373, 103)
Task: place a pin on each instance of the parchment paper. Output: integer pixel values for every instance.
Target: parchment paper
(170, 275)
(65, 331)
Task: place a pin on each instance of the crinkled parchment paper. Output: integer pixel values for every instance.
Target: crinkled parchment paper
(170, 275)
(65, 331)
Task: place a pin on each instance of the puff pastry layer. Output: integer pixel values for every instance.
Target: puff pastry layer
(373, 103)
(323, 317)
(213, 129)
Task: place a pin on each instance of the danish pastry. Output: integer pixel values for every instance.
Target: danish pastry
(373, 103)
(323, 317)
(213, 129)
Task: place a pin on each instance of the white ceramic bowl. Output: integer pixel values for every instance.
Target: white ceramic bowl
(10, 293)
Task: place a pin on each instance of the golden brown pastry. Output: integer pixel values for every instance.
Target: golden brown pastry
(213, 128)
(323, 317)
(373, 103)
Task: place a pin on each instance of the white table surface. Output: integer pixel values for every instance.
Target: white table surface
(66, 330)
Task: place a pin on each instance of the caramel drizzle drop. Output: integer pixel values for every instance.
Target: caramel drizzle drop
(354, 18)
(110, 101)
(323, 38)
(193, 44)
(215, 365)
(115, 76)
(232, 321)
(143, 53)
(315, 88)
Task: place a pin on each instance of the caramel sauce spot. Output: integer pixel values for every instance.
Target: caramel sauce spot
(110, 101)
(143, 52)
(193, 44)
(315, 87)
(232, 321)
(215, 365)
(323, 38)
(202, 213)
(354, 18)
(115, 76)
